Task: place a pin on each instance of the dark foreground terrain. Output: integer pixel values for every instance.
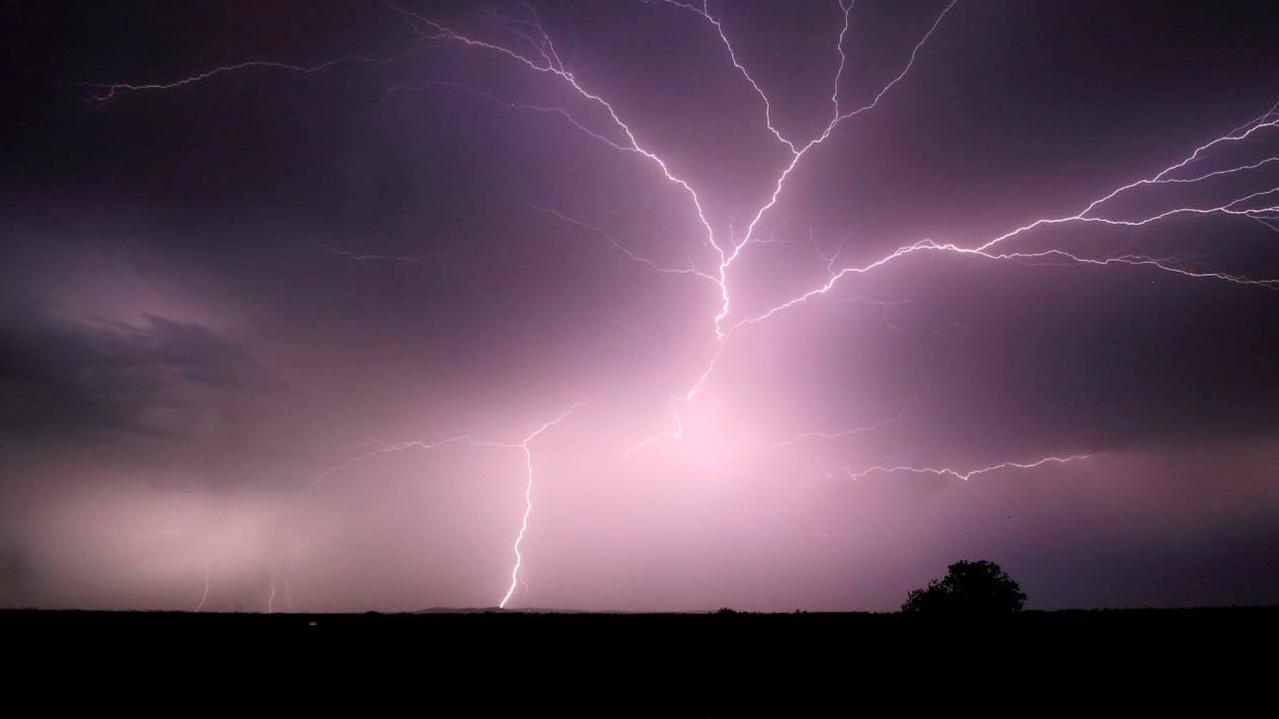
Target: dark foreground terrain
(722, 664)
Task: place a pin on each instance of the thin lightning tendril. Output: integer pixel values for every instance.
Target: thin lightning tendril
(105, 92)
(690, 270)
(965, 476)
(204, 564)
(842, 434)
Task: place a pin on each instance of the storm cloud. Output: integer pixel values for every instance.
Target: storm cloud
(279, 338)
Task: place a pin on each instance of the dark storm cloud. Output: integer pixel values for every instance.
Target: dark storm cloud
(71, 379)
(1090, 360)
(233, 285)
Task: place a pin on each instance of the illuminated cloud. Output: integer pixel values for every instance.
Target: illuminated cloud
(647, 305)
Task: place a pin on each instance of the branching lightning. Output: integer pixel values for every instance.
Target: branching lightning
(1231, 208)
(542, 58)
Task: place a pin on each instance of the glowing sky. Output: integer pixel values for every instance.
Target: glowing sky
(638, 305)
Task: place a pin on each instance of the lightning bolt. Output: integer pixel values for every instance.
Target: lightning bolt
(525, 448)
(548, 62)
(541, 57)
(986, 249)
(374, 257)
(528, 501)
(205, 596)
(841, 434)
(729, 253)
(105, 92)
(675, 433)
(965, 476)
(630, 255)
(509, 105)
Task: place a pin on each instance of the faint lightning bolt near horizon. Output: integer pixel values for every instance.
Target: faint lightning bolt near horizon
(965, 476)
(205, 596)
(270, 600)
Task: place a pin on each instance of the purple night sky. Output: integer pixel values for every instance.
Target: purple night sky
(637, 305)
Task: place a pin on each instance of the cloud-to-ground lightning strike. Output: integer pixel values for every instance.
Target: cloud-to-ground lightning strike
(1259, 206)
(204, 597)
(528, 500)
(524, 446)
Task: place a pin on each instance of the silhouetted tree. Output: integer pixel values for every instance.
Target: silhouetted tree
(968, 588)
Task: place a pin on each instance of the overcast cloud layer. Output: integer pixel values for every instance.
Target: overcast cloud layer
(221, 303)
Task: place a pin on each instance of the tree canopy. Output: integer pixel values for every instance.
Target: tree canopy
(979, 587)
